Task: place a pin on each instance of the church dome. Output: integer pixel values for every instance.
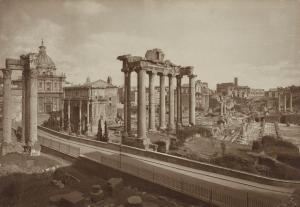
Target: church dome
(43, 61)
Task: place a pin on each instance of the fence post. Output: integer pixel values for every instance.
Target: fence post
(247, 200)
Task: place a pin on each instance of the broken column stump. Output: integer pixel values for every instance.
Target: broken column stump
(134, 201)
(114, 186)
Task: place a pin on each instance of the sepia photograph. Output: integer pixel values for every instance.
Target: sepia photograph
(149, 103)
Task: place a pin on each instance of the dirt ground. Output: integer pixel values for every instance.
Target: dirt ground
(25, 182)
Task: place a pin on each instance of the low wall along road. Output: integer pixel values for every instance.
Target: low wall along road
(178, 174)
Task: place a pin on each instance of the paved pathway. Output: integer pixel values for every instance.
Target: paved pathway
(226, 181)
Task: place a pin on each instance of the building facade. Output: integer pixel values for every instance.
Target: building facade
(84, 105)
(50, 83)
(233, 89)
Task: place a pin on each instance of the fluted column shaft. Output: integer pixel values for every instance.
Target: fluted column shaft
(179, 106)
(33, 107)
(125, 102)
(7, 119)
(141, 128)
(23, 107)
(62, 114)
(284, 102)
(171, 103)
(151, 101)
(162, 102)
(69, 116)
(128, 102)
(291, 102)
(80, 113)
(88, 115)
(192, 101)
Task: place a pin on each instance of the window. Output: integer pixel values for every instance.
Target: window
(48, 86)
(40, 85)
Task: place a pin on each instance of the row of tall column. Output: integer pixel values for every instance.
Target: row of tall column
(89, 126)
(29, 110)
(285, 102)
(141, 119)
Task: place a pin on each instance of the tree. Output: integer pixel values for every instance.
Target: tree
(105, 132)
(223, 148)
(99, 133)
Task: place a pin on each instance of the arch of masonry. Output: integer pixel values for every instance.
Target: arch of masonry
(154, 65)
(27, 64)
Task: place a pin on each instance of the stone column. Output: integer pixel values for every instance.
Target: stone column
(80, 113)
(32, 142)
(88, 115)
(69, 115)
(125, 102)
(192, 101)
(291, 102)
(179, 106)
(284, 102)
(278, 102)
(23, 107)
(171, 103)
(222, 108)
(7, 119)
(62, 115)
(141, 125)
(162, 124)
(129, 103)
(225, 109)
(151, 101)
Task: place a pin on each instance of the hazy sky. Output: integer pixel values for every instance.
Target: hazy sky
(257, 41)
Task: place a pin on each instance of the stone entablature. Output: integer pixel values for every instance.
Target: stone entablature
(136, 63)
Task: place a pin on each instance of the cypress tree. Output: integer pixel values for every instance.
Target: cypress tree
(99, 134)
(105, 132)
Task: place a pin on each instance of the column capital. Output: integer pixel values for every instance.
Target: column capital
(171, 75)
(192, 76)
(6, 73)
(151, 72)
(162, 74)
(179, 76)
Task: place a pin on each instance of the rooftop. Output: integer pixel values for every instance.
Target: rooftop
(94, 84)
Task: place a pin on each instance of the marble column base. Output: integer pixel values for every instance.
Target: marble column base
(15, 147)
(33, 150)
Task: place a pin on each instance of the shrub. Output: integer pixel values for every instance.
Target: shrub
(288, 145)
(290, 159)
(256, 145)
(268, 141)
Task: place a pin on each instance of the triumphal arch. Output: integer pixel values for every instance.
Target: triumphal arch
(153, 65)
(28, 65)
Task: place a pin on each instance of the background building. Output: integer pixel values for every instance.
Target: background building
(87, 103)
(50, 84)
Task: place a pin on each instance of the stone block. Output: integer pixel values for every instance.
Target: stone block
(114, 186)
(134, 201)
(97, 196)
(96, 188)
(73, 199)
(55, 200)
